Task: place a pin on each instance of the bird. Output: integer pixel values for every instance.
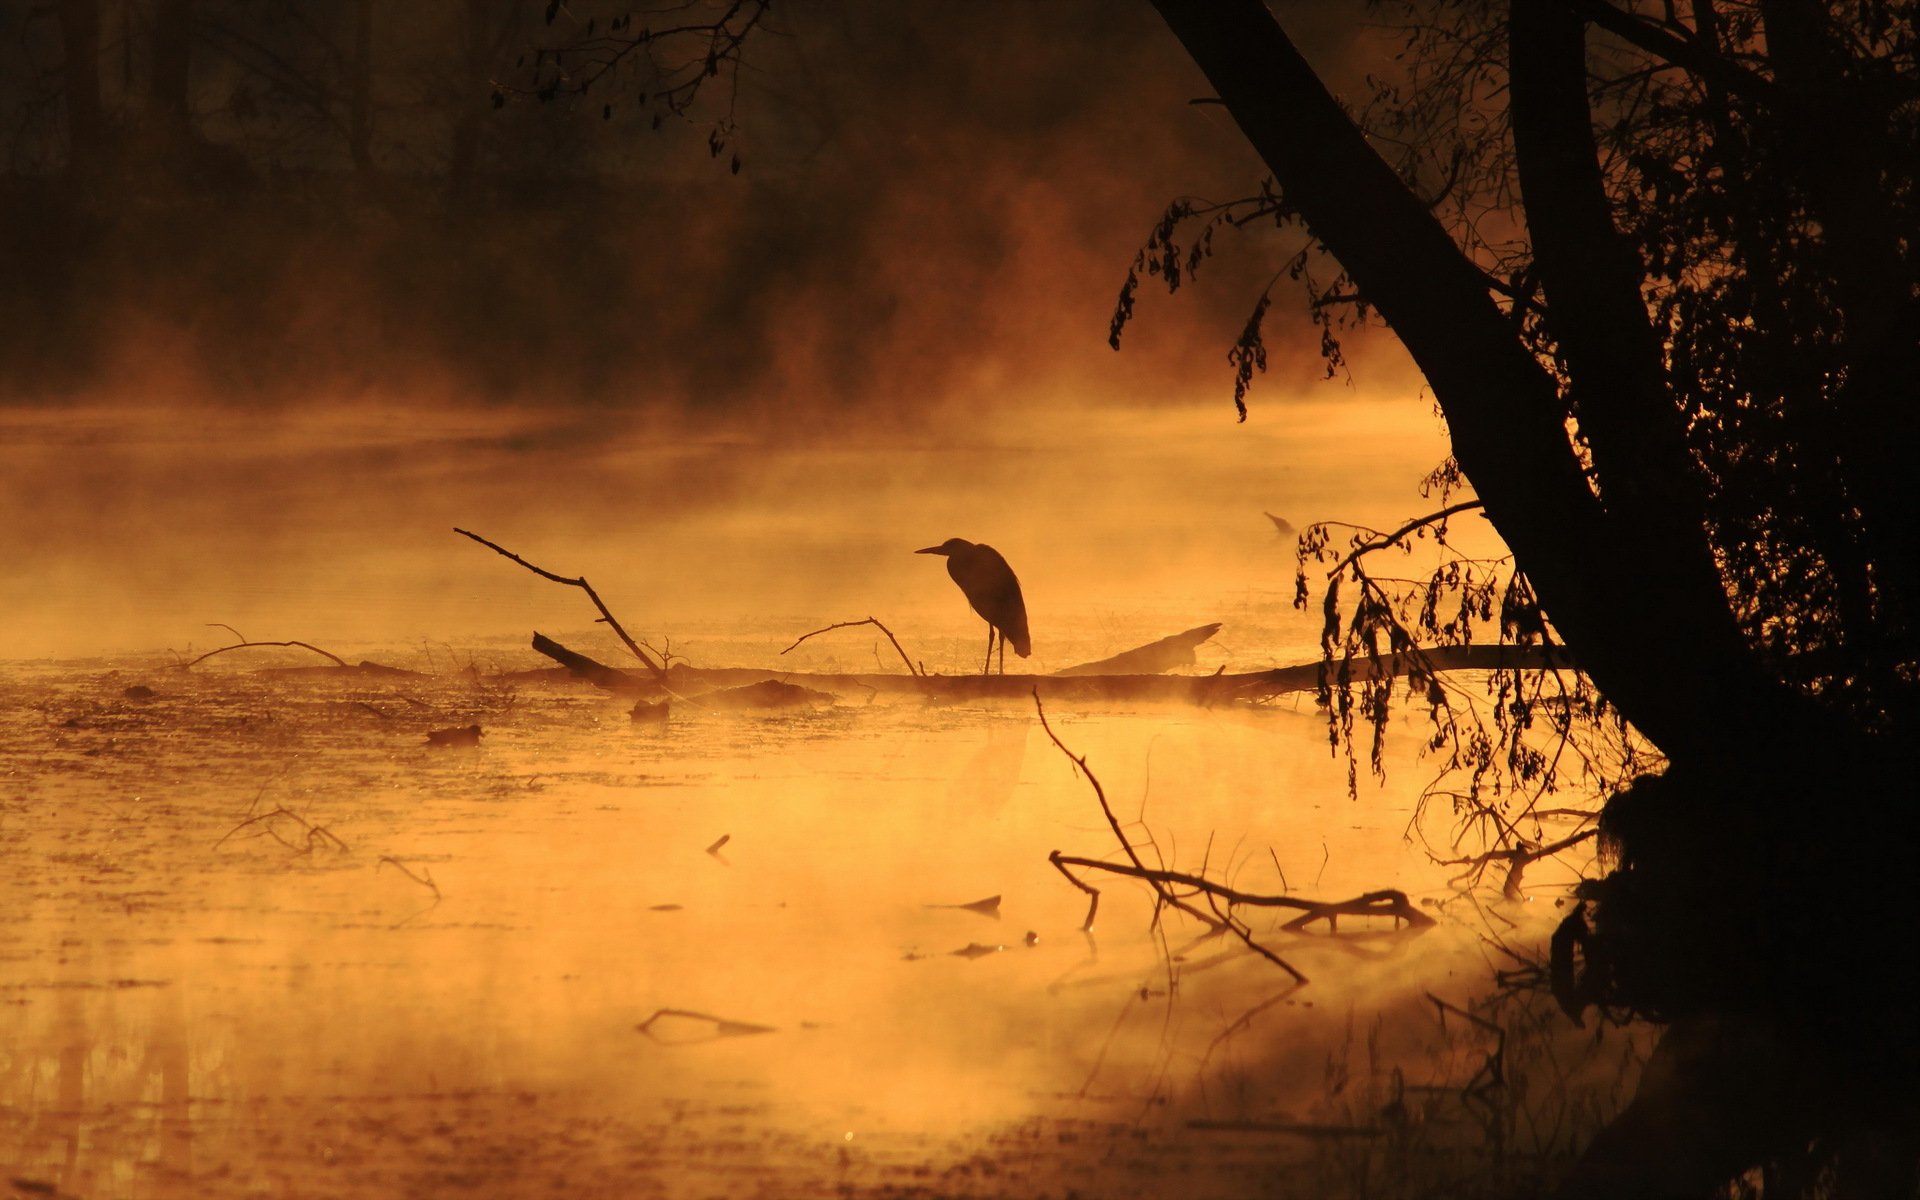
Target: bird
(992, 588)
(1281, 526)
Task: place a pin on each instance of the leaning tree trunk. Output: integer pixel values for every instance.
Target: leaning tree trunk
(1629, 583)
(1730, 901)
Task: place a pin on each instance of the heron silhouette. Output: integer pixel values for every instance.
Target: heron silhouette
(993, 590)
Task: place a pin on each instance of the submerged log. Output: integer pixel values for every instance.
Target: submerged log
(1217, 688)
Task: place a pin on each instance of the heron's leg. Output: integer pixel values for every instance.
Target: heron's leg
(1003, 654)
(986, 668)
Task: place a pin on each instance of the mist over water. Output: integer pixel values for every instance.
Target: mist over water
(144, 527)
(448, 982)
(268, 942)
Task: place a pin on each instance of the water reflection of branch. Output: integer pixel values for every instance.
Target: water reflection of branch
(1387, 902)
(1492, 1075)
(911, 669)
(317, 836)
(424, 879)
(1244, 1020)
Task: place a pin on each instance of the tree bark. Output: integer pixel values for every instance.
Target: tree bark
(1621, 604)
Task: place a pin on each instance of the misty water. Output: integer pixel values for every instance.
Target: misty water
(265, 940)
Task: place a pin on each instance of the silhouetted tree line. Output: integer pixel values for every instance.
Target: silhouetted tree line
(339, 191)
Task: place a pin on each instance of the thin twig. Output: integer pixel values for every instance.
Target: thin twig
(1518, 859)
(424, 878)
(1382, 541)
(316, 834)
(911, 669)
(659, 671)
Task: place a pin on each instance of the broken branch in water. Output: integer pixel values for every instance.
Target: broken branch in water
(1160, 881)
(721, 1027)
(1387, 902)
(244, 645)
(1518, 859)
(659, 671)
(424, 878)
(317, 835)
(911, 669)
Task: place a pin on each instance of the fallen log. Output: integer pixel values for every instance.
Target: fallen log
(1152, 658)
(1216, 688)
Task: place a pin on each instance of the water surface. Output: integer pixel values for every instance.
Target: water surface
(266, 941)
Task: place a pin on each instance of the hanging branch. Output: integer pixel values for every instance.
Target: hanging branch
(659, 671)
(911, 669)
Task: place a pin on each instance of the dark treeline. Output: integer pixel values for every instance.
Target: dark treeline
(234, 198)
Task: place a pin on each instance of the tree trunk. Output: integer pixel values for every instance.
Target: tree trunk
(484, 28)
(360, 89)
(1832, 125)
(1616, 580)
(168, 92)
(86, 121)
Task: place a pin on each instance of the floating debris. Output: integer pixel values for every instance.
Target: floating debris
(462, 735)
(768, 693)
(990, 907)
(717, 1027)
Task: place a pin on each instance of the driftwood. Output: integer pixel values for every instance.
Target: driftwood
(1189, 689)
(1152, 658)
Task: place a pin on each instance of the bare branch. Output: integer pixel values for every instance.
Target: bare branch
(659, 671)
(911, 669)
(338, 661)
(1385, 540)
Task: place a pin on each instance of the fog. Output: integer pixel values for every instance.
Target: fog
(721, 396)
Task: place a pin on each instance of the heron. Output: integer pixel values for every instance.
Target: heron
(993, 590)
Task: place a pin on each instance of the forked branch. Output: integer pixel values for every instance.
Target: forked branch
(911, 669)
(659, 671)
(1162, 882)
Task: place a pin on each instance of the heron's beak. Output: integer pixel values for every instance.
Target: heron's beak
(931, 550)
